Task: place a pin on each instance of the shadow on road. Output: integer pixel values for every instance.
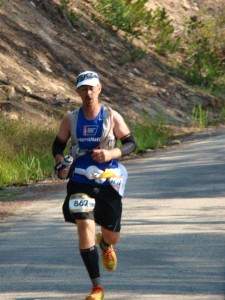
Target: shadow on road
(172, 243)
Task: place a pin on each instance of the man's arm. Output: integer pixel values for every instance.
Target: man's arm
(122, 133)
(61, 139)
(128, 145)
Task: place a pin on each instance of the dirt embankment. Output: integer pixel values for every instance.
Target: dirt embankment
(41, 54)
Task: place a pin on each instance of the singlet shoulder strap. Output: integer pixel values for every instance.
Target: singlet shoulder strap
(107, 125)
(73, 126)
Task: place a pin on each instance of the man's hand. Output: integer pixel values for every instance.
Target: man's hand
(104, 155)
(60, 170)
(62, 166)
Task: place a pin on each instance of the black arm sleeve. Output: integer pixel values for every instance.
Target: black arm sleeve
(128, 145)
(58, 147)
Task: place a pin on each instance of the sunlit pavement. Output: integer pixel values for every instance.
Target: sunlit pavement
(172, 242)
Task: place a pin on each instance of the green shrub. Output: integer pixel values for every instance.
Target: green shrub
(123, 14)
(72, 16)
(163, 37)
(222, 115)
(200, 65)
(202, 62)
(200, 47)
(135, 19)
(133, 54)
(200, 116)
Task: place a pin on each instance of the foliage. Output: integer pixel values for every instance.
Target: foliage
(135, 19)
(64, 4)
(222, 115)
(132, 54)
(124, 15)
(26, 148)
(202, 61)
(26, 156)
(66, 7)
(199, 49)
(200, 116)
(150, 132)
(25, 152)
(164, 39)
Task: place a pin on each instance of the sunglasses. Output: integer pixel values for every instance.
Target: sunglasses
(83, 77)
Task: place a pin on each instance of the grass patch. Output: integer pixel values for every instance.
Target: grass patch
(200, 116)
(26, 149)
(25, 152)
(150, 133)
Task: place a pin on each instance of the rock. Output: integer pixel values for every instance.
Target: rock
(176, 142)
(13, 116)
(8, 92)
(136, 71)
(27, 89)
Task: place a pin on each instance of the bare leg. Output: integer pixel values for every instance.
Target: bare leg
(110, 237)
(86, 233)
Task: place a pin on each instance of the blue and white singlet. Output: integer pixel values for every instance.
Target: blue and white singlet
(89, 134)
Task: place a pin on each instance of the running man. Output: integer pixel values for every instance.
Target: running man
(96, 178)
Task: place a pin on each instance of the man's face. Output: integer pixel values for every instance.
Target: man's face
(89, 94)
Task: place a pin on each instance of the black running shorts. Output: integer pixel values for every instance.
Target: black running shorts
(108, 205)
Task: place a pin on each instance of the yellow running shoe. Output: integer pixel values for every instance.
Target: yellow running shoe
(97, 293)
(109, 259)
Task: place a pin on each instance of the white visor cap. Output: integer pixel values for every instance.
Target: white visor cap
(87, 78)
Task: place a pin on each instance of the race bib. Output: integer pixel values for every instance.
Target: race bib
(81, 203)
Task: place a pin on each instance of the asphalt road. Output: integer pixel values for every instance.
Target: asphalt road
(173, 235)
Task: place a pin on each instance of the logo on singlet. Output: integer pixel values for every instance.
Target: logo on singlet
(90, 130)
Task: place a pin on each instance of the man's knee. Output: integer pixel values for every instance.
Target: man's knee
(111, 237)
(85, 225)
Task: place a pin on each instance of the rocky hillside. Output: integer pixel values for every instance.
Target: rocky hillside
(41, 53)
